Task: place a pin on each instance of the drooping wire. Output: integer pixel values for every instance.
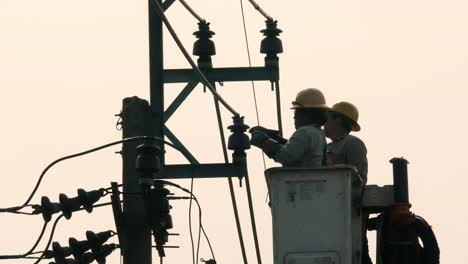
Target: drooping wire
(29, 252)
(250, 65)
(36, 187)
(259, 9)
(191, 11)
(203, 78)
(190, 223)
(51, 236)
(193, 197)
(52, 232)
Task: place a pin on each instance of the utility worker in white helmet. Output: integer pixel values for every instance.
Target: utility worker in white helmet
(307, 146)
(348, 149)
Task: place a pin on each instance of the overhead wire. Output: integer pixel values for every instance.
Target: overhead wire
(190, 223)
(36, 187)
(197, 70)
(29, 252)
(51, 236)
(52, 232)
(247, 181)
(260, 10)
(191, 11)
(230, 184)
(250, 65)
(193, 197)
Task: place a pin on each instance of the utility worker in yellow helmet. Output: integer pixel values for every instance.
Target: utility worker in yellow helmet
(348, 149)
(307, 146)
(345, 148)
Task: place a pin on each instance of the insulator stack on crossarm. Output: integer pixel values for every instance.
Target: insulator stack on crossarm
(271, 45)
(67, 206)
(204, 47)
(238, 140)
(80, 249)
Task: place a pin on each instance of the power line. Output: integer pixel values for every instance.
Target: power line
(260, 10)
(250, 65)
(50, 239)
(36, 187)
(191, 11)
(52, 233)
(29, 252)
(230, 184)
(192, 197)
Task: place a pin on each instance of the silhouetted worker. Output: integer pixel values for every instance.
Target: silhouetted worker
(348, 150)
(307, 146)
(345, 148)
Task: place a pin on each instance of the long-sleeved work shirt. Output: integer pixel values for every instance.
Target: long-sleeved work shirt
(305, 148)
(349, 150)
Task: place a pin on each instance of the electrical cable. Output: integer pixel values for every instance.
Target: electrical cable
(250, 65)
(29, 252)
(52, 232)
(193, 197)
(233, 198)
(190, 224)
(36, 187)
(51, 236)
(231, 185)
(197, 70)
(259, 9)
(191, 11)
(17, 212)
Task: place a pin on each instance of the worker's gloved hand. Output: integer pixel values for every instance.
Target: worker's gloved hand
(258, 137)
(269, 132)
(273, 134)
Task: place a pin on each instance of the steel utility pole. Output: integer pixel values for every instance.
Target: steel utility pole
(156, 68)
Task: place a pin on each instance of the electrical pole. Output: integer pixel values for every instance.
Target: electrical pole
(136, 121)
(156, 68)
(142, 119)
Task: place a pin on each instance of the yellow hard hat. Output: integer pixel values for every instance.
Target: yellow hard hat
(310, 98)
(349, 110)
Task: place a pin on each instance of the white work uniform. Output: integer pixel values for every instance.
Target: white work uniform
(349, 150)
(305, 148)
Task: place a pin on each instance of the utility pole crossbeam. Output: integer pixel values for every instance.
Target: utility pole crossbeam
(235, 74)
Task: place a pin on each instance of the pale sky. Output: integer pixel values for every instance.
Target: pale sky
(65, 67)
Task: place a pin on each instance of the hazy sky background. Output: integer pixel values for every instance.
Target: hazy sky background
(65, 67)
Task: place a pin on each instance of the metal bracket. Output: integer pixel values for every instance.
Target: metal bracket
(167, 4)
(223, 74)
(179, 99)
(118, 217)
(176, 141)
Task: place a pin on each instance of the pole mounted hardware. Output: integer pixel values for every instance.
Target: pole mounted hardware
(160, 220)
(67, 205)
(79, 249)
(204, 47)
(271, 45)
(155, 196)
(148, 162)
(118, 217)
